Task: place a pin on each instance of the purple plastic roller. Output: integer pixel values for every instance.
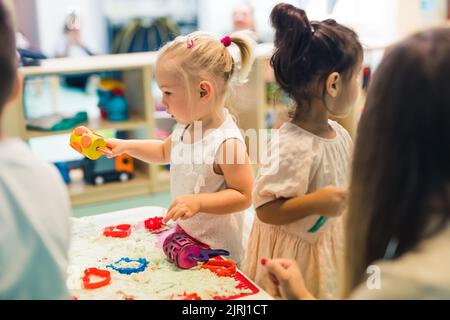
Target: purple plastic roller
(186, 253)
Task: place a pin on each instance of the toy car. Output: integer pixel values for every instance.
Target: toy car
(105, 170)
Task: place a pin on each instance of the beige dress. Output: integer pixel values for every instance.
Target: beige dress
(306, 164)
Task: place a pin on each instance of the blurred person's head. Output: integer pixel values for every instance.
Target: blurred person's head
(194, 73)
(72, 27)
(243, 17)
(400, 188)
(317, 60)
(8, 58)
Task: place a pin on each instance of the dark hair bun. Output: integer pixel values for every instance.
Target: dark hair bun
(305, 56)
(292, 22)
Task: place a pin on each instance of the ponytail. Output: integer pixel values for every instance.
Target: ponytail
(245, 45)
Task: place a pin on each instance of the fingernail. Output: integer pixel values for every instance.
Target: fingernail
(263, 261)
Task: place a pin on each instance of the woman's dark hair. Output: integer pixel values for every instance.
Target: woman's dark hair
(400, 189)
(306, 53)
(8, 55)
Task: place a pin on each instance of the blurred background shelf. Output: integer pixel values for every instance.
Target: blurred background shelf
(64, 66)
(82, 193)
(44, 93)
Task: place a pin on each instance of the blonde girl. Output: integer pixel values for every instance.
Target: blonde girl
(211, 176)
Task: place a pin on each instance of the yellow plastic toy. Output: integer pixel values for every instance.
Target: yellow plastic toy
(89, 143)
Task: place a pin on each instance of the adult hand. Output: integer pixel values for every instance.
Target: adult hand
(287, 276)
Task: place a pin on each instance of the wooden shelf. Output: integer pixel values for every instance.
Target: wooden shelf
(138, 71)
(118, 62)
(133, 123)
(82, 193)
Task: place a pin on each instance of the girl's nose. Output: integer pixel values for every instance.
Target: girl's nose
(164, 103)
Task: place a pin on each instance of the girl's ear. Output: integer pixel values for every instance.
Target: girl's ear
(205, 91)
(333, 84)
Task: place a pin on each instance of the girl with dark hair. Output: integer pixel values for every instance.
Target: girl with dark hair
(297, 199)
(398, 222)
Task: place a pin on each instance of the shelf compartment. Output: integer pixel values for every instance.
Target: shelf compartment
(119, 62)
(81, 193)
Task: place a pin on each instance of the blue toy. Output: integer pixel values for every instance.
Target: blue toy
(63, 169)
(112, 103)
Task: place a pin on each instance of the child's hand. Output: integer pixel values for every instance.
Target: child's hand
(117, 147)
(287, 276)
(330, 201)
(184, 207)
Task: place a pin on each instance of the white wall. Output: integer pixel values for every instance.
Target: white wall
(122, 9)
(373, 20)
(216, 16)
(51, 16)
(378, 22)
(415, 15)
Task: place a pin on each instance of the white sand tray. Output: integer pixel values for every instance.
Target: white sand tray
(161, 279)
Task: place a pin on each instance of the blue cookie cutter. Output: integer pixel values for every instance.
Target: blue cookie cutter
(143, 265)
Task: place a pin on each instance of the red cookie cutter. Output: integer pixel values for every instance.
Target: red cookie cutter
(153, 224)
(88, 273)
(120, 231)
(223, 268)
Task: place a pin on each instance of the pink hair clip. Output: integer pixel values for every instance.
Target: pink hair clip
(226, 41)
(190, 43)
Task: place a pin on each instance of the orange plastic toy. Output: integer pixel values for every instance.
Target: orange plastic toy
(89, 143)
(223, 268)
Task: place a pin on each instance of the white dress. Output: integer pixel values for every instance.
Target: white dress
(306, 164)
(192, 172)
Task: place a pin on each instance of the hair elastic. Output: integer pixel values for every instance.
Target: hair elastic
(190, 43)
(226, 41)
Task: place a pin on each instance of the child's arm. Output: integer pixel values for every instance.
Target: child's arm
(150, 151)
(238, 174)
(328, 202)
